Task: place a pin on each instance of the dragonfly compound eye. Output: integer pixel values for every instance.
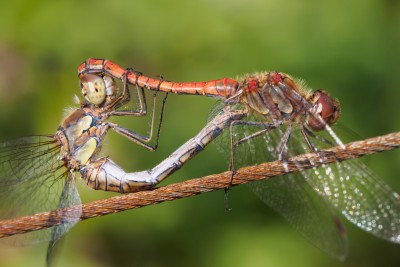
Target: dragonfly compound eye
(93, 88)
(325, 110)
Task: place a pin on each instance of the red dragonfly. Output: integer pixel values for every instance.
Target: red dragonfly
(280, 117)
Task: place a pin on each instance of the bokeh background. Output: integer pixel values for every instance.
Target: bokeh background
(351, 48)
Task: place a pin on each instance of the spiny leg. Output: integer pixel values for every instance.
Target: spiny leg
(125, 98)
(308, 141)
(283, 142)
(306, 135)
(267, 127)
(140, 139)
(319, 138)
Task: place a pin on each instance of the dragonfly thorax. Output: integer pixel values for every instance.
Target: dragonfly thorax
(273, 94)
(81, 134)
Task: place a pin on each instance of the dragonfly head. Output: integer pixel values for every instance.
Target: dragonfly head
(96, 89)
(325, 110)
(93, 88)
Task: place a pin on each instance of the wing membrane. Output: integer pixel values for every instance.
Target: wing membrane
(291, 195)
(32, 179)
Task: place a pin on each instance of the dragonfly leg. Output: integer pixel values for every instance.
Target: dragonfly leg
(282, 144)
(125, 98)
(307, 134)
(267, 127)
(140, 112)
(138, 138)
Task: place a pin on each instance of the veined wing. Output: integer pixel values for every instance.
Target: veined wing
(362, 197)
(349, 186)
(289, 195)
(69, 199)
(32, 179)
(307, 212)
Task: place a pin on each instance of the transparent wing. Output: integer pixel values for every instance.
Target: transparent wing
(32, 179)
(26, 158)
(290, 195)
(306, 211)
(360, 196)
(69, 199)
(349, 186)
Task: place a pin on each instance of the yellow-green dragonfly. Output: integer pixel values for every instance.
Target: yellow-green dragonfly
(38, 173)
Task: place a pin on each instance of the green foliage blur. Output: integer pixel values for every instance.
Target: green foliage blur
(350, 48)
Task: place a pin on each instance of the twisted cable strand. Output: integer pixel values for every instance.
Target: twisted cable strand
(201, 185)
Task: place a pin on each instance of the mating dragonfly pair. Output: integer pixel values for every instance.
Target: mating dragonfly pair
(261, 117)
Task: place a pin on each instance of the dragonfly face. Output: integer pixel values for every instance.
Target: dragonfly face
(93, 89)
(98, 90)
(325, 108)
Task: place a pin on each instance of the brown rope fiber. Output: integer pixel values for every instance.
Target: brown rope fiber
(201, 185)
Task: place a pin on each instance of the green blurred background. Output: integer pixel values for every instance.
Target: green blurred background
(350, 48)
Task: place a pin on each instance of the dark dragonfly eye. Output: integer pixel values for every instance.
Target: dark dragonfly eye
(324, 107)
